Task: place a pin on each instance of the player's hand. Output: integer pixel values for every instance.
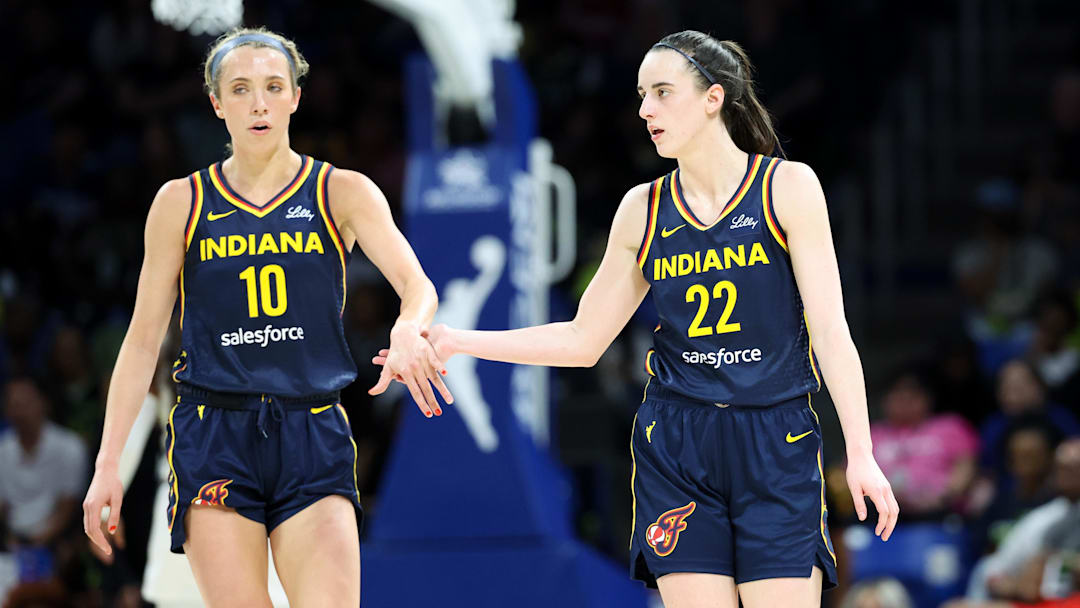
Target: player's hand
(105, 493)
(438, 336)
(117, 539)
(412, 361)
(865, 478)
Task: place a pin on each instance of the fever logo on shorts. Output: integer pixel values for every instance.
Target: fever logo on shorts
(213, 494)
(663, 535)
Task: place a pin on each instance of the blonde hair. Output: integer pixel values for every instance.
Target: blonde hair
(297, 64)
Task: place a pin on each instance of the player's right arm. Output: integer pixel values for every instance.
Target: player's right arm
(607, 304)
(135, 364)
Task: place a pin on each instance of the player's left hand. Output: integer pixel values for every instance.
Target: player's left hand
(411, 361)
(865, 478)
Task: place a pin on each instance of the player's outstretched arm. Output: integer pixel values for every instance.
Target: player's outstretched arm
(364, 216)
(800, 208)
(607, 304)
(137, 360)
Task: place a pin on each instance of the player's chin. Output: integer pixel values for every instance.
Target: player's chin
(665, 151)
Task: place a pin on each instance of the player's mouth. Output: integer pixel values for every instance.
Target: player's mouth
(655, 133)
(260, 128)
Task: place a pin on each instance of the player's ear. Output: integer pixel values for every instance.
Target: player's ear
(214, 103)
(295, 101)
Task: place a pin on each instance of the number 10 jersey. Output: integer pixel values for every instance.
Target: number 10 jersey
(732, 328)
(262, 289)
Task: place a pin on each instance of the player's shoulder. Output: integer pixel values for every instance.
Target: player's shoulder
(636, 197)
(350, 185)
(795, 174)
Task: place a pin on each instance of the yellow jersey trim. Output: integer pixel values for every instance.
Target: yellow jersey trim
(650, 228)
(277, 201)
(810, 350)
(633, 477)
(648, 362)
(175, 488)
(356, 454)
(193, 220)
(688, 215)
(324, 211)
(767, 206)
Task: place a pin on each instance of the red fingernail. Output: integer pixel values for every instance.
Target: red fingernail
(444, 372)
(112, 528)
(438, 412)
(428, 414)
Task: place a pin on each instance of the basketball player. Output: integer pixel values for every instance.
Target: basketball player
(736, 247)
(257, 443)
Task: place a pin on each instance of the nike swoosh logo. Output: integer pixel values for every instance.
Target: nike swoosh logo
(319, 410)
(666, 233)
(217, 216)
(791, 439)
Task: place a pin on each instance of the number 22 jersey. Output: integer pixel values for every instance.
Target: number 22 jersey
(262, 289)
(732, 328)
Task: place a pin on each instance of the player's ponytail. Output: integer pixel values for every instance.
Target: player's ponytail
(725, 63)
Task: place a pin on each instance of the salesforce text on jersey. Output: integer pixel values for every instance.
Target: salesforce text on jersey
(723, 357)
(262, 337)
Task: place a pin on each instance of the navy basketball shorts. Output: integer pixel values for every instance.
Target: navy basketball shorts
(728, 490)
(264, 457)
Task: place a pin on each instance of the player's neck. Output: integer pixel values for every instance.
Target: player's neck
(711, 168)
(247, 167)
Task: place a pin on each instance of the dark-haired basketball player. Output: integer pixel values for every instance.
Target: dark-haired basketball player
(736, 247)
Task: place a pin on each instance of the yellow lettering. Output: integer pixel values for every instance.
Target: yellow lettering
(738, 258)
(215, 246)
(202, 250)
(237, 245)
(686, 264)
(314, 243)
(757, 253)
(294, 241)
(268, 244)
(712, 261)
(697, 262)
(668, 269)
(251, 244)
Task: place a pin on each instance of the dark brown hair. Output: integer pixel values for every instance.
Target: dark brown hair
(747, 120)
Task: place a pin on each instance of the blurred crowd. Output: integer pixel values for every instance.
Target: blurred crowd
(978, 426)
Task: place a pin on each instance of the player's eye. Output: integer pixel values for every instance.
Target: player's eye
(239, 90)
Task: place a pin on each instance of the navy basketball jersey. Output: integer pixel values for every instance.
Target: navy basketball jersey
(732, 328)
(262, 289)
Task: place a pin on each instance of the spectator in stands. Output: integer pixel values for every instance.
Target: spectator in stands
(1029, 446)
(42, 468)
(1020, 391)
(1037, 560)
(929, 458)
(880, 593)
(1057, 360)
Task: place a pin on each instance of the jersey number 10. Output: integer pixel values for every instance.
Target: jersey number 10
(271, 273)
(695, 292)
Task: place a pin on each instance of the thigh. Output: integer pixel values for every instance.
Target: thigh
(696, 590)
(317, 554)
(787, 592)
(228, 557)
(681, 522)
(778, 495)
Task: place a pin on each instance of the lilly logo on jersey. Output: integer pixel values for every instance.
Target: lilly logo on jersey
(743, 221)
(663, 534)
(723, 357)
(213, 494)
(299, 212)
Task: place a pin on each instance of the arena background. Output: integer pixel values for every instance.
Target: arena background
(944, 134)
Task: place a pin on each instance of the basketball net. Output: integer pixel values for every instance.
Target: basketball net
(199, 16)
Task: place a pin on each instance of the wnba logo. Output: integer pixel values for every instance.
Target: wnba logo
(213, 494)
(663, 535)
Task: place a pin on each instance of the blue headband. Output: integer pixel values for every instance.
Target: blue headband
(270, 41)
(697, 65)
